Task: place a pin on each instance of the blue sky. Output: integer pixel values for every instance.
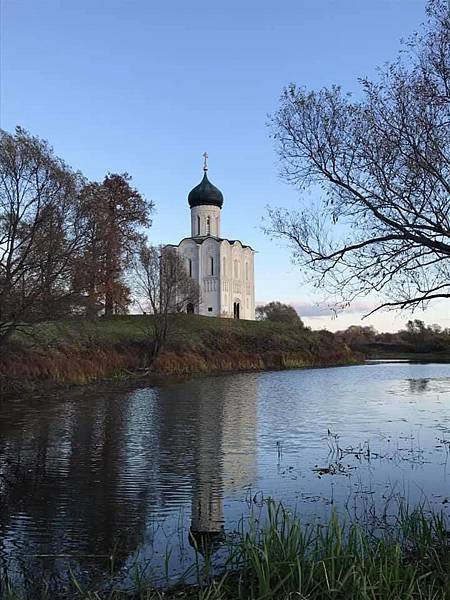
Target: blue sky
(146, 86)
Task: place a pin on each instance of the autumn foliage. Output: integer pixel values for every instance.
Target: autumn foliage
(84, 350)
(112, 213)
(65, 243)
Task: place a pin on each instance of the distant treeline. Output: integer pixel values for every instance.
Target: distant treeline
(415, 338)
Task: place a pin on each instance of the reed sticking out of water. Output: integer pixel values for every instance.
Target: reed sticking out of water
(410, 559)
(283, 560)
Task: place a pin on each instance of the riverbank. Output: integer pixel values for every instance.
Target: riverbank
(405, 557)
(383, 353)
(83, 351)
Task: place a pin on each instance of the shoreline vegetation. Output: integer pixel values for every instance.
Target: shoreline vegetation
(119, 348)
(403, 557)
(416, 341)
(85, 351)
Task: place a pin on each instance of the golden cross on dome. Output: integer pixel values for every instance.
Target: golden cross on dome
(205, 162)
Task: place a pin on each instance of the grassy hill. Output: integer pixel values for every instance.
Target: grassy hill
(81, 351)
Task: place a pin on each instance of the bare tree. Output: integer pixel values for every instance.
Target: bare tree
(40, 230)
(163, 287)
(381, 167)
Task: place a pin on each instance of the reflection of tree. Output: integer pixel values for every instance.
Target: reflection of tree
(418, 385)
(84, 474)
(63, 490)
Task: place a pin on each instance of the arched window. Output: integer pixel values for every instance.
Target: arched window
(208, 226)
(246, 271)
(224, 266)
(211, 263)
(236, 269)
(198, 225)
(190, 267)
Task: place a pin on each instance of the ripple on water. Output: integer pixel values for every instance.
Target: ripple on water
(136, 469)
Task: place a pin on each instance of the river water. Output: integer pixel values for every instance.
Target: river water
(115, 470)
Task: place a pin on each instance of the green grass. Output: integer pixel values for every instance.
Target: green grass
(407, 560)
(80, 351)
(138, 327)
(410, 559)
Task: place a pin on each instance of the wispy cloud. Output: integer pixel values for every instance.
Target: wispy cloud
(311, 309)
(322, 309)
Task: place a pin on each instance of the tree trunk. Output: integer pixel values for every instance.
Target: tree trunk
(109, 304)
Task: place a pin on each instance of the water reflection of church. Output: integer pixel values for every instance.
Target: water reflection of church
(91, 475)
(223, 450)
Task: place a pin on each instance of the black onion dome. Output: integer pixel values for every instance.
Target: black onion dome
(205, 193)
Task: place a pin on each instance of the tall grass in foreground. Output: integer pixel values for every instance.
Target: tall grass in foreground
(410, 559)
(283, 560)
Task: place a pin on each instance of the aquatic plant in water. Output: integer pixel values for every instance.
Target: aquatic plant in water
(283, 559)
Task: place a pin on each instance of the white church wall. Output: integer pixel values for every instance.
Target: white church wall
(249, 283)
(237, 280)
(221, 283)
(226, 303)
(189, 251)
(210, 277)
(237, 283)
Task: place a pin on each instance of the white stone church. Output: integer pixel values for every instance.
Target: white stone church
(223, 268)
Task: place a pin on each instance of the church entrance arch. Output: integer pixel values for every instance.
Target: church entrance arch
(236, 310)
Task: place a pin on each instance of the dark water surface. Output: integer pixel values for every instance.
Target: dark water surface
(126, 470)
